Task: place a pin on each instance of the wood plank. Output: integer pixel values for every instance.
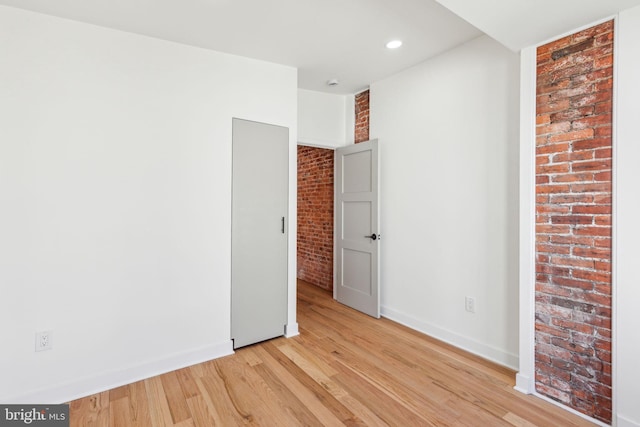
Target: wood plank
(303, 352)
(303, 394)
(318, 374)
(249, 356)
(203, 411)
(517, 421)
(90, 411)
(388, 408)
(187, 383)
(219, 401)
(186, 423)
(158, 405)
(119, 414)
(139, 405)
(197, 371)
(175, 397)
(250, 393)
(338, 409)
(119, 393)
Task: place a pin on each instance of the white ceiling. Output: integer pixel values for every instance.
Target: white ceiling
(328, 39)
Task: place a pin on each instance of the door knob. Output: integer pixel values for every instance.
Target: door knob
(374, 236)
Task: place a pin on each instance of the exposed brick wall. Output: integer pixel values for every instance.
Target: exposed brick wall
(362, 117)
(573, 226)
(315, 216)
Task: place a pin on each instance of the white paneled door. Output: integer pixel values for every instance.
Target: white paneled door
(357, 238)
(259, 232)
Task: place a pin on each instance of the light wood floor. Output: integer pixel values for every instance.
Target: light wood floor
(344, 369)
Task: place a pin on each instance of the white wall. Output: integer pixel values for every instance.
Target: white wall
(325, 120)
(627, 221)
(448, 132)
(115, 201)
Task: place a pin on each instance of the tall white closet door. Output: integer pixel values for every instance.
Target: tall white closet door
(259, 232)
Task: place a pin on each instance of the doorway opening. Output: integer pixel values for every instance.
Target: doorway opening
(315, 216)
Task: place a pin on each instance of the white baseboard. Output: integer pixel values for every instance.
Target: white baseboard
(108, 380)
(625, 422)
(524, 384)
(480, 349)
(291, 330)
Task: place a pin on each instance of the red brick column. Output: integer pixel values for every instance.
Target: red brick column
(315, 216)
(362, 117)
(573, 225)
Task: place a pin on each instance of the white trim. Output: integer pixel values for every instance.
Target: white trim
(525, 377)
(568, 409)
(483, 350)
(291, 330)
(524, 383)
(614, 237)
(319, 143)
(111, 379)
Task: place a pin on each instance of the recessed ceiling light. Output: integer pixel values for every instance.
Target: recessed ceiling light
(394, 44)
(332, 82)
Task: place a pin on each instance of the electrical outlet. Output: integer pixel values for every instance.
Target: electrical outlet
(470, 304)
(43, 340)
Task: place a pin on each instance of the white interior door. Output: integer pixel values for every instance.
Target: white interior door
(356, 227)
(259, 232)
